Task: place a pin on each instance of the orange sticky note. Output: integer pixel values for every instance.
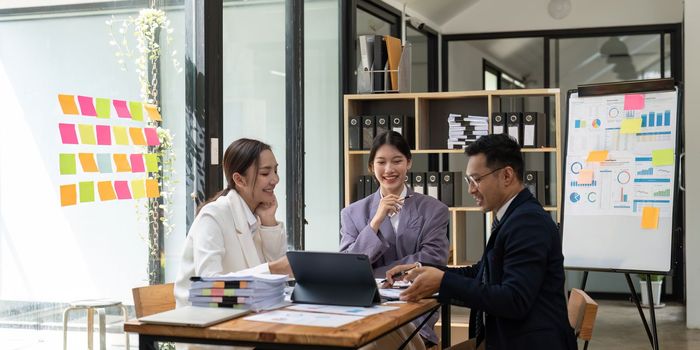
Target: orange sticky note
(69, 195)
(137, 137)
(153, 112)
(650, 217)
(106, 191)
(122, 163)
(87, 161)
(585, 177)
(68, 105)
(152, 190)
(597, 156)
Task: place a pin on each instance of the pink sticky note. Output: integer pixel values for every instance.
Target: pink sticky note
(86, 106)
(104, 135)
(585, 177)
(122, 189)
(151, 136)
(136, 161)
(121, 108)
(634, 102)
(68, 135)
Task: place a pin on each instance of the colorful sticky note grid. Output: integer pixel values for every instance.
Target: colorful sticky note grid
(151, 136)
(68, 105)
(87, 161)
(152, 190)
(151, 162)
(87, 134)
(138, 189)
(597, 156)
(67, 163)
(153, 113)
(121, 108)
(103, 107)
(137, 136)
(136, 109)
(104, 134)
(122, 163)
(120, 136)
(104, 162)
(106, 191)
(650, 217)
(661, 157)
(87, 191)
(137, 165)
(86, 106)
(585, 177)
(68, 135)
(634, 102)
(69, 195)
(122, 189)
(631, 126)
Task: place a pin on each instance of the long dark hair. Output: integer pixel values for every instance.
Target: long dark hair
(239, 156)
(391, 138)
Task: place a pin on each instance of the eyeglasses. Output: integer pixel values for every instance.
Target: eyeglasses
(474, 181)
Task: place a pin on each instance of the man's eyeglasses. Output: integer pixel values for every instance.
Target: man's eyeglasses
(474, 181)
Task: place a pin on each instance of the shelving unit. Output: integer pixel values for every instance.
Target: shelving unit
(430, 112)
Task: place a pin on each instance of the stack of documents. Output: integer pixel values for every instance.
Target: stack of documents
(465, 130)
(241, 291)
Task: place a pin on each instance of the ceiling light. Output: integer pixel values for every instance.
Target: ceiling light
(559, 9)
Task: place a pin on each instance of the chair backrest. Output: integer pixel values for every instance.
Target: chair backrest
(153, 299)
(582, 312)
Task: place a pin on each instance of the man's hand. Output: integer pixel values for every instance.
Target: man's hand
(426, 282)
(396, 270)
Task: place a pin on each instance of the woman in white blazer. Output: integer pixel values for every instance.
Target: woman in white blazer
(237, 229)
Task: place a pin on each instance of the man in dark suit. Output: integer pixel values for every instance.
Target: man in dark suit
(516, 290)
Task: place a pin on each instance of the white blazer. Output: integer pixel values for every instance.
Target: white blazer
(220, 241)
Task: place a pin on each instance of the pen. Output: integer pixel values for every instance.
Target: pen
(402, 273)
(399, 209)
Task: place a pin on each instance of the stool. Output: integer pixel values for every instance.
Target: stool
(92, 306)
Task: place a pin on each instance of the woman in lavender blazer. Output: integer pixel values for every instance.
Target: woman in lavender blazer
(395, 225)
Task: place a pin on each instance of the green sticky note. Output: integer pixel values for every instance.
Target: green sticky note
(87, 134)
(151, 162)
(661, 157)
(102, 107)
(136, 109)
(87, 191)
(631, 126)
(67, 163)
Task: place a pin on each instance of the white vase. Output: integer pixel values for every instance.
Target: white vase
(655, 290)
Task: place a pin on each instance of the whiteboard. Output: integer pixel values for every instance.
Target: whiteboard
(618, 209)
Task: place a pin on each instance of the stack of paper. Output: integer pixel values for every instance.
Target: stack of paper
(241, 291)
(465, 130)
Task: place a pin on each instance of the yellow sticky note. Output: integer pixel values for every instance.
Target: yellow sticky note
(631, 126)
(87, 161)
(69, 195)
(138, 189)
(650, 217)
(87, 134)
(152, 190)
(153, 112)
(661, 157)
(137, 137)
(597, 156)
(585, 177)
(122, 163)
(120, 136)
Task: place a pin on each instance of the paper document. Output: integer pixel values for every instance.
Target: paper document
(342, 310)
(304, 318)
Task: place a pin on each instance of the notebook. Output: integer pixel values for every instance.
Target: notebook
(194, 316)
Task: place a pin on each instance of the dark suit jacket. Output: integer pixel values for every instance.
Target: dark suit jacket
(524, 297)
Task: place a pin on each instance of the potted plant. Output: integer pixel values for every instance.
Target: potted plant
(656, 283)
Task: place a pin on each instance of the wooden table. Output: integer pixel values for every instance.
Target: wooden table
(265, 335)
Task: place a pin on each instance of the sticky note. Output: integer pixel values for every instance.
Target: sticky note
(151, 136)
(87, 191)
(68, 105)
(585, 177)
(69, 195)
(634, 102)
(138, 189)
(122, 189)
(153, 112)
(87, 134)
(68, 135)
(137, 165)
(152, 190)
(631, 126)
(597, 156)
(87, 161)
(104, 163)
(136, 109)
(121, 108)
(661, 157)
(137, 136)
(103, 108)
(151, 162)
(650, 217)
(121, 162)
(106, 191)
(86, 106)
(67, 163)
(120, 136)
(104, 134)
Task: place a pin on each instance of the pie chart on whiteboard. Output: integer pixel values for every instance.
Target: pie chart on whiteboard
(575, 197)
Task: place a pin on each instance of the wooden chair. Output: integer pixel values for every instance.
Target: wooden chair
(151, 300)
(582, 312)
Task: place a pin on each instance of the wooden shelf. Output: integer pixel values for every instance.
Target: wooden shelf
(460, 151)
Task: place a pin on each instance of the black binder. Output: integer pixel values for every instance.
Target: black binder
(433, 184)
(514, 126)
(355, 133)
(368, 131)
(418, 182)
(533, 129)
(382, 124)
(379, 63)
(447, 188)
(498, 123)
(374, 185)
(360, 188)
(333, 279)
(368, 185)
(407, 180)
(404, 125)
(534, 181)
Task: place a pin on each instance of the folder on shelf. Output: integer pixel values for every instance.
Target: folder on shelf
(379, 64)
(374, 185)
(448, 191)
(534, 181)
(407, 180)
(404, 125)
(498, 122)
(366, 43)
(418, 182)
(393, 48)
(382, 124)
(533, 129)
(433, 184)
(360, 190)
(514, 126)
(368, 185)
(355, 133)
(368, 131)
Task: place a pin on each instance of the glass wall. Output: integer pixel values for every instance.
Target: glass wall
(419, 59)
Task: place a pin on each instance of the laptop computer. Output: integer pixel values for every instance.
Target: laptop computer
(193, 316)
